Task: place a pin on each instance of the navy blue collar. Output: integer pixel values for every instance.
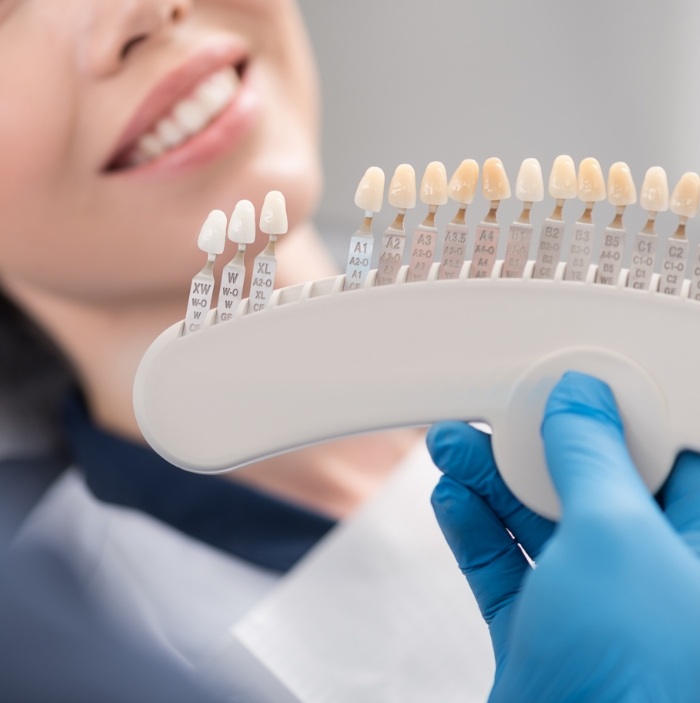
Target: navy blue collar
(238, 519)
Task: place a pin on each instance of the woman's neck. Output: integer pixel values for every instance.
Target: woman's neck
(105, 343)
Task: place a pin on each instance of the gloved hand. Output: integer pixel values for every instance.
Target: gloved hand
(612, 610)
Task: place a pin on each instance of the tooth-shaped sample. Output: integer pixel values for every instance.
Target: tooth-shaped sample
(273, 216)
(241, 226)
(433, 186)
(212, 236)
(529, 187)
(686, 195)
(402, 189)
(654, 194)
(563, 183)
(591, 182)
(462, 185)
(494, 183)
(370, 192)
(621, 188)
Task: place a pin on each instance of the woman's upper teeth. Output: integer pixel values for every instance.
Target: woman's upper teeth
(188, 117)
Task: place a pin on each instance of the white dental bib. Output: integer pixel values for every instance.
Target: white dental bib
(379, 611)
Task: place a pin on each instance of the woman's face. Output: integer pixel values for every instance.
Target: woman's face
(123, 122)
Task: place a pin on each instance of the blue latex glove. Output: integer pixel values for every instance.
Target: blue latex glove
(612, 611)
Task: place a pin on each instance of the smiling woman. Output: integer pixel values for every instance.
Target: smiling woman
(132, 122)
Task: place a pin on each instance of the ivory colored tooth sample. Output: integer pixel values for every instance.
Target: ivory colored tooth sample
(273, 216)
(653, 196)
(621, 188)
(462, 190)
(462, 185)
(402, 189)
(591, 181)
(402, 196)
(494, 183)
(241, 226)
(686, 195)
(621, 193)
(370, 191)
(433, 187)
(212, 236)
(563, 183)
(591, 189)
(529, 187)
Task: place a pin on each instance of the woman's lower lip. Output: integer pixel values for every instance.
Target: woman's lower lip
(224, 133)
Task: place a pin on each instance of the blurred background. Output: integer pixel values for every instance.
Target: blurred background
(453, 79)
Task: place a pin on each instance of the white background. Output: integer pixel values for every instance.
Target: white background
(453, 79)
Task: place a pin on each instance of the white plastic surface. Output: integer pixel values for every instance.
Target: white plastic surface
(472, 349)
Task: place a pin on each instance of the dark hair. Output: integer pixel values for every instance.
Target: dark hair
(34, 378)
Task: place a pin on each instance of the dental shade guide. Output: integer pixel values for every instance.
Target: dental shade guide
(486, 348)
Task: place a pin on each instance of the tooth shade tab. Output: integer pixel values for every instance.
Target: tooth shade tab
(494, 184)
(686, 195)
(621, 188)
(653, 196)
(241, 226)
(212, 236)
(433, 187)
(529, 187)
(591, 181)
(402, 189)
(370, 192)
(462, 185)
(273, 216)
(563, 183)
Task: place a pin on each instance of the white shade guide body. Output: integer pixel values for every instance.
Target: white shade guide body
(402, 188)
(433, 186)
(591, 184)
(495, 185)
(212, 236)
(464, 181)
(529, 187)
(273, 216)
(653, 196)
(621, 188)
(242, 226)
(686, 195)
(563, 182)
(370, 191)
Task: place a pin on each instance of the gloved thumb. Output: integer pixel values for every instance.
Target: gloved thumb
(585, 447)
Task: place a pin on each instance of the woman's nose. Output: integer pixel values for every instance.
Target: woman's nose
(114, 29)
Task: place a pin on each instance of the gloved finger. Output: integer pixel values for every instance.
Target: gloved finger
(680, 497)
(585, 448)
(486, 554)
(464, 453)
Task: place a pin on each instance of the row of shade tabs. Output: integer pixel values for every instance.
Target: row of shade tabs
(459, 258)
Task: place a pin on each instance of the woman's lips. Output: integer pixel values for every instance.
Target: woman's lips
(198, 111)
